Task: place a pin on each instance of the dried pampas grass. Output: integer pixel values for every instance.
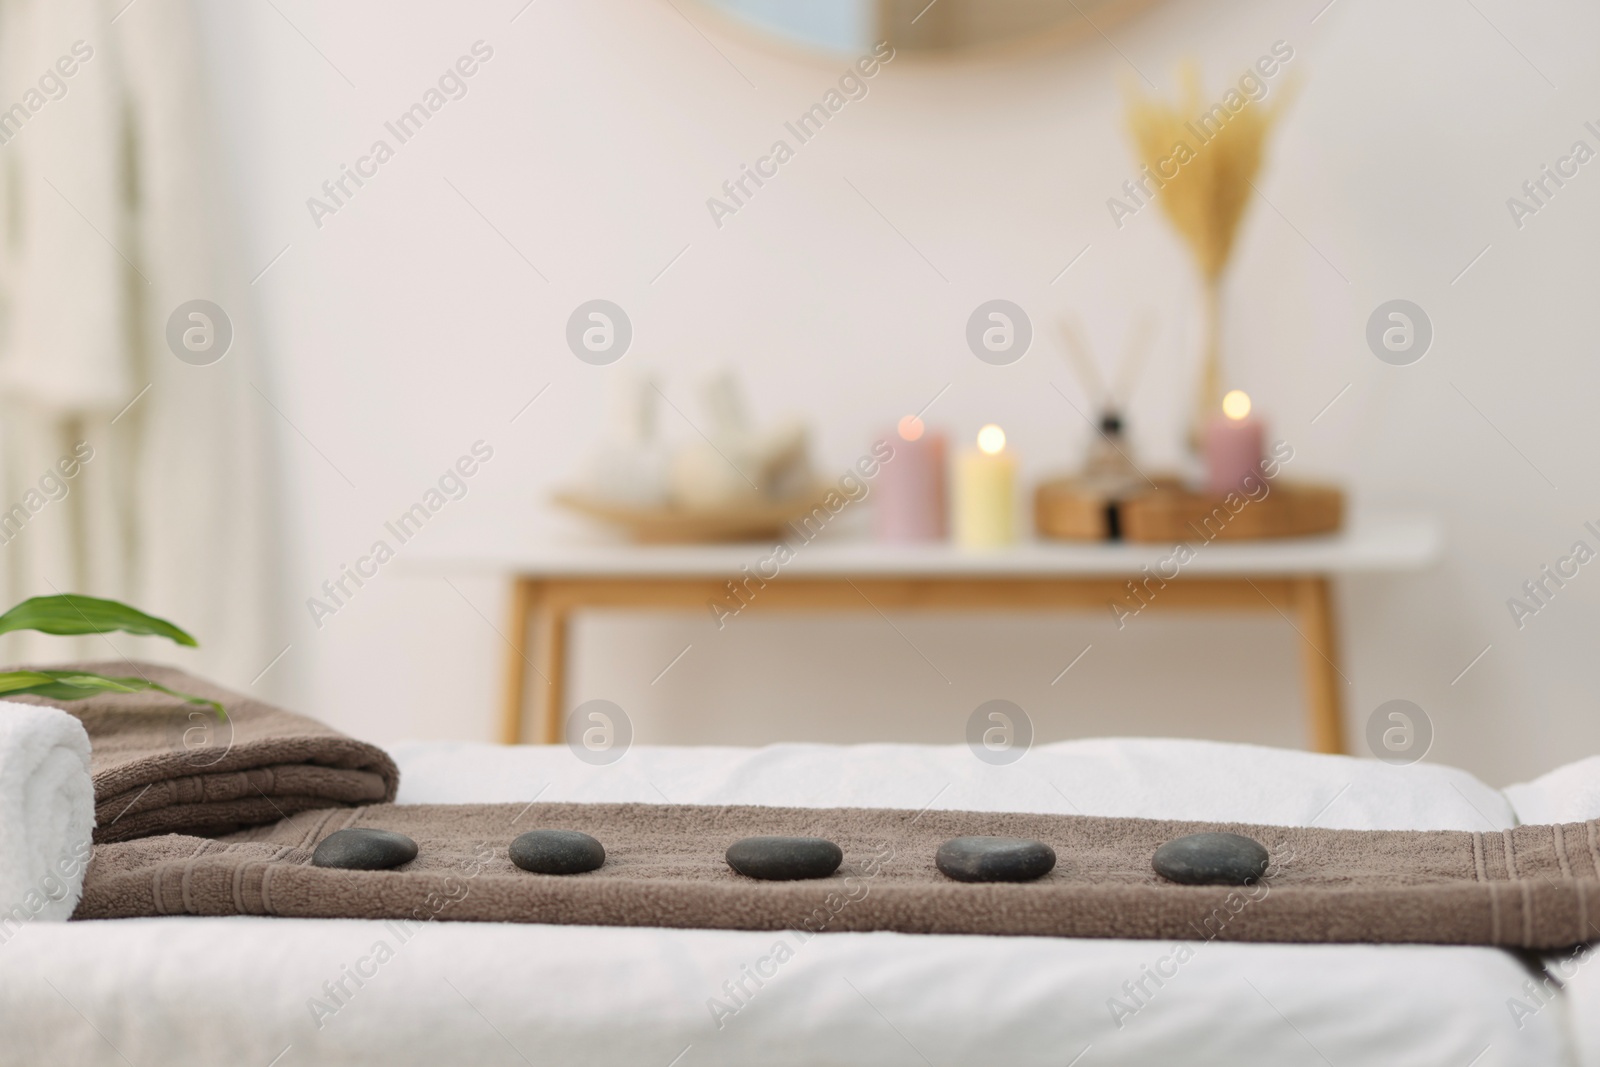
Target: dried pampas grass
(1216, 153)
(1203, 159)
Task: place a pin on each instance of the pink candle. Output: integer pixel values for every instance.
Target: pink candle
(911, 486)
(1233, 445)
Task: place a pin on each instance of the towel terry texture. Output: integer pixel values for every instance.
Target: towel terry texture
(46, 814)
(162, 766)
(1532, 886)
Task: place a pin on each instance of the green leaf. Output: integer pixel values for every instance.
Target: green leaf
(12, 681)
(77, 685)
(70, 613)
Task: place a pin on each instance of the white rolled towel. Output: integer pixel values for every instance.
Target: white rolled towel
(46, 814)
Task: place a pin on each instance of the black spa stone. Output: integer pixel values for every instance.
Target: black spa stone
(1211, 859)
(557, 852)
(364, 850)
(783, 859)
(995, 859)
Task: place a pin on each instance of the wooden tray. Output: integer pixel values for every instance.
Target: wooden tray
(668, 525)
(1066, 510)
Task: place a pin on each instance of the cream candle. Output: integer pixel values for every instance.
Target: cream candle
(1233, 444)
(911, 498)
(985, 493)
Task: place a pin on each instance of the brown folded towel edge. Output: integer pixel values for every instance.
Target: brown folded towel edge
(161, 765)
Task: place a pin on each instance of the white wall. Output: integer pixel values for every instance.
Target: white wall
(405, 328)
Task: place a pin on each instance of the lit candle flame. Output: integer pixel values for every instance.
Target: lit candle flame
(1236, 405)
(910, 428)
(991, 440)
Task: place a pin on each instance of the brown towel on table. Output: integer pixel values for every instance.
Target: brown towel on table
(1533, 886)
(164, 766)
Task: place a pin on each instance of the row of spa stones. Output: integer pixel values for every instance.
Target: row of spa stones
(1197, 859)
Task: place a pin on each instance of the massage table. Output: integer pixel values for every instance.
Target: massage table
(273, 991)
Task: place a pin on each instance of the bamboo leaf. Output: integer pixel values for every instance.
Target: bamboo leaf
(70, 613)
(12, 681)
(77, 685)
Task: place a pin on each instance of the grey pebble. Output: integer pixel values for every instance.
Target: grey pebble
(1211, 859)
(363, 849)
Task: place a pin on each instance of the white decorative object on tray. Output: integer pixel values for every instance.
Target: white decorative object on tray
(733, 479)
(737, 462)
(629, 466)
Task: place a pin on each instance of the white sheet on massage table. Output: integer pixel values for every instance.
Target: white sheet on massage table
(236, 990)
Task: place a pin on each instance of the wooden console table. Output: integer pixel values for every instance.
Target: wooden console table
(1290, 578)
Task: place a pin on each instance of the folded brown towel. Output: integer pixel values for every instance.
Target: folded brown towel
(1534, 886)
(163, 766)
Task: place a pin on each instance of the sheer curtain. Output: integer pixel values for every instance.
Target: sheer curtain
(125, 471)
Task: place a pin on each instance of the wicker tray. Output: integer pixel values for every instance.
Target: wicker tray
(746, 522)
(1066, 510)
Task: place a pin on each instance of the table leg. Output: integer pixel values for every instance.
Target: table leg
(550, 660)
(1313, 605)
(515, 677)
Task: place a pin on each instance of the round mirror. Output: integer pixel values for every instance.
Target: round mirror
(851, 27)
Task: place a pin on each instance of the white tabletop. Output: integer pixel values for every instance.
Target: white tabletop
(1377, 542)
